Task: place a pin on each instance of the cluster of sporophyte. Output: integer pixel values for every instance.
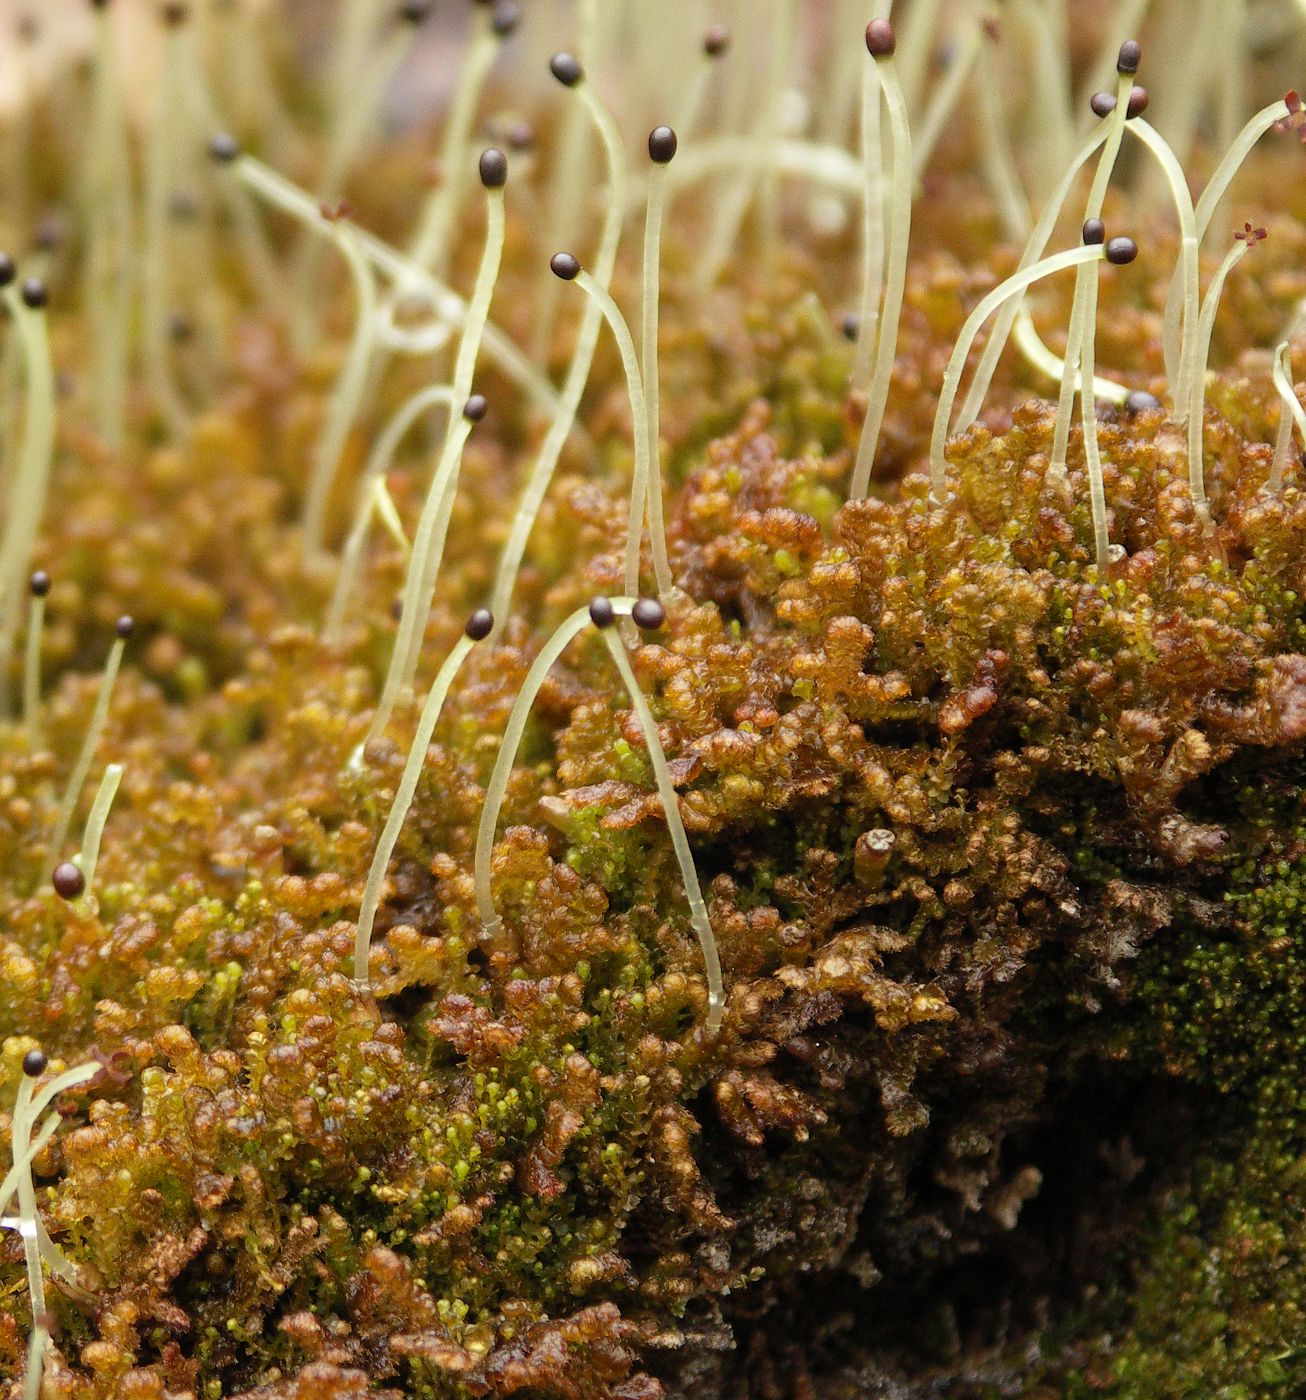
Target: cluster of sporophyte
(654, 735)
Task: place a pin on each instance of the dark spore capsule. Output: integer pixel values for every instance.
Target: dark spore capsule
(1130, 56)
(1102, 103)
(68, 880)
(648, 614)
(223, 147)
(494, 169)
(851, 326)
(35, 1062)
(662, 144)
(1121, 251)
(716, 41)
(35, 294)
(602, 613)
(480, 624)
(414, 11)
(566, 266)
(1138, 102)
(476, 408)
(880, 39)
(125, 626)
(49, 233)
(506, 18)
(566, 68)
(1094, 231)
(1140, 401)
(520, 136)
(8, 269)
(39, 584)
(175, 12)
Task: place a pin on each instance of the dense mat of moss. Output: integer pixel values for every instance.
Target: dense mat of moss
(1004, 857)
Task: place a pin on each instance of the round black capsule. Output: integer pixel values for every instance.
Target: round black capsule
(480, 624)
(35, 1062)
(1121, 251)
(125, 626)
(476, 408)
(662, 144)
(8, 269)
(1138, 102)
(565, 266)
(68, 880)
(49, 233)
(35, 294)
(851, 326)
(224, 147)
(880, 39)
(520, 136)
(566, 68)
(1094, 231)
(506, 18)
(1102, 103)
(1131, 55)
(494, 169)
(1140, 401)
(648, 614)
(602, 613)
(716, 41)
(39, 584)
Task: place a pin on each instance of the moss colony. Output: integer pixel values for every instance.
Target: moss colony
(992, 767)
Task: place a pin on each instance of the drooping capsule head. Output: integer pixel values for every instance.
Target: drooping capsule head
(35, 294)
(602, 613)
(1121, 251)
(505, 17)
(566, 68)
(662, 144)
(476, 408)
(881, 41)
(35, 1061)
(648, 614)
(125, 626)
(494, 168)
(1094, 231)
(68, 880)
(1129, 57)
(223, 147)
(480, 624)
(565, 266)
(39, 584)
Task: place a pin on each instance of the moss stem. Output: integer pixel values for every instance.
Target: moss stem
(497, 788)
(582, 359)
(679, 840)
(403, 802)
(378, 464)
